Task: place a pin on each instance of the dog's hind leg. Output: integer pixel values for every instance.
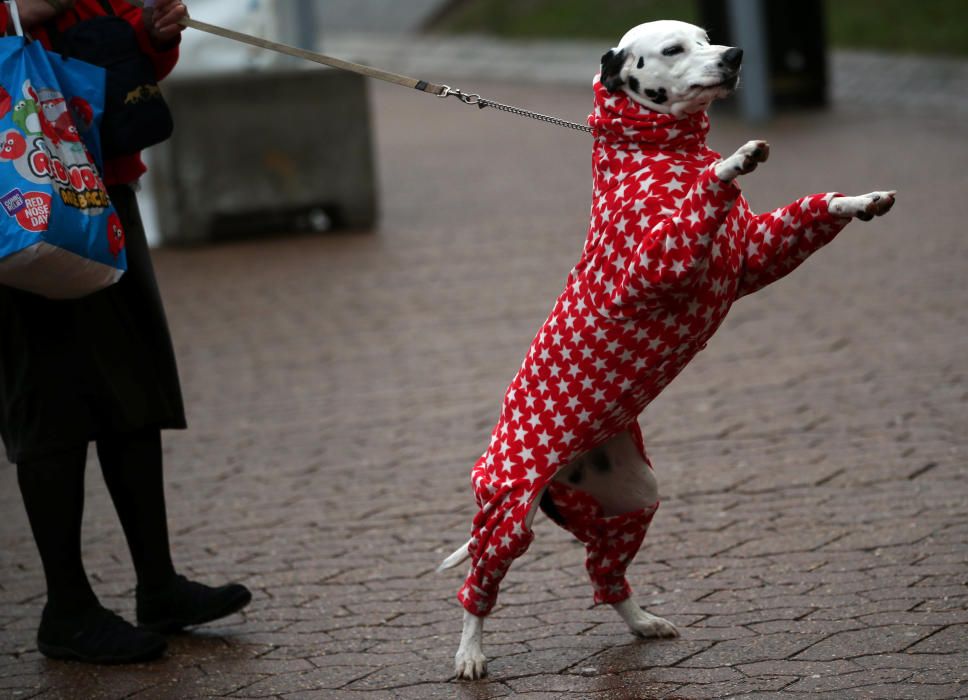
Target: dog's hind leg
(470, 663)
(607, 501)
(642, 623)
(502, 533)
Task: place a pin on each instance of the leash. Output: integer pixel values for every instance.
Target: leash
(442, 91)
(475, 99)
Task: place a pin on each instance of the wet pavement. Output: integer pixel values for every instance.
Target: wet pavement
(813, 537)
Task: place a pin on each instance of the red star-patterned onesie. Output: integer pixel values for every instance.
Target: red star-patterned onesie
(669, 249)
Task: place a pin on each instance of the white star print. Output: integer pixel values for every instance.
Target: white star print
(674, 185)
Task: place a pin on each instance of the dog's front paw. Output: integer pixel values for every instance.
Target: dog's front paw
(864, 207)
(744, 161)
(470, 664)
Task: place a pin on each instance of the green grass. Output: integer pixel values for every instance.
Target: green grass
(908, 26)
(912, 26)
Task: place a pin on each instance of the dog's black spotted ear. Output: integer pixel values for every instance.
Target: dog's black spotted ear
(612, 64)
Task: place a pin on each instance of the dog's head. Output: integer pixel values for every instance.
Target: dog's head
(670, 67)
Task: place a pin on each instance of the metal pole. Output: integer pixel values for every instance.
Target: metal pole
(297, 23)
(747, 22)
(306, 30)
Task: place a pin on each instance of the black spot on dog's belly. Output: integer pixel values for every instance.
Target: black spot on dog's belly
(600, 462)
(641, 63)
(548, 507)
(658, 95)
(634, 84)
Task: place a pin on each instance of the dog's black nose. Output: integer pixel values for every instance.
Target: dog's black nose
(733, 57)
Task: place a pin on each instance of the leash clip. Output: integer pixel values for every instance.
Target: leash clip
(467, 98)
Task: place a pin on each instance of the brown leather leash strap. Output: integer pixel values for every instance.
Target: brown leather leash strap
(370, 72)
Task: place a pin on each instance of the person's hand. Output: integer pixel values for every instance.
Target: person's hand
(33, 12)
(162, 20)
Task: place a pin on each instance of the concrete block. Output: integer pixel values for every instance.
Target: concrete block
(265, 152)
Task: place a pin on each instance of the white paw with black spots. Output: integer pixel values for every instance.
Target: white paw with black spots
(744, 161)
(864, 207)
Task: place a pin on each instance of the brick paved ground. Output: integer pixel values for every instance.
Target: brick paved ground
(812, 538)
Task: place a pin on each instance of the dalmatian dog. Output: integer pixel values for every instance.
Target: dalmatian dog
(671, 68)
(671, 245)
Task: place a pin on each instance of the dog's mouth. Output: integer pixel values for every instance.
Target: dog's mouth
(726, 84)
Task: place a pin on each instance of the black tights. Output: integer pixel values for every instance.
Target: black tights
(53, 493)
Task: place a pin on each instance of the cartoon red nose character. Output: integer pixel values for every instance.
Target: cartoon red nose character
(13, 146)
(64, 126)
(82, 111)
(115, 235)
(48, 129)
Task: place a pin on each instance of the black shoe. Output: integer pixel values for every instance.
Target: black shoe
(183, 603)
(96, 636)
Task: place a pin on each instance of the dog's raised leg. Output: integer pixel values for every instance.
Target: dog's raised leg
(744, 161)
(642, 623)
(864, 207)
(470, 664)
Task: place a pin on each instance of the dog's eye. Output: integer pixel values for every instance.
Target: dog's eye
(672, 50)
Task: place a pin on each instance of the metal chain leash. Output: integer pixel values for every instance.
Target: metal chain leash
(475, 99)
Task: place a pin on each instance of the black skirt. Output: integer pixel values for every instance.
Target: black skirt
(71, 371)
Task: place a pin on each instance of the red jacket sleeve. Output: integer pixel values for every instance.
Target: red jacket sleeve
(164, 59)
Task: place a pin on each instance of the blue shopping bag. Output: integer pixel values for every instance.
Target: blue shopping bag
(60, 237)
